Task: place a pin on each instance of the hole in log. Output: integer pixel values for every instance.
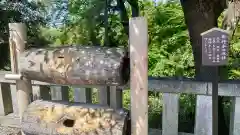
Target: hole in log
(125, 70)
(68, 122)
(60, 57)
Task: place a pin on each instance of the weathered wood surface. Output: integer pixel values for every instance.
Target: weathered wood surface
(14, 98)
(6, 105)
(82, 65)
(59, 93)
(63, 118)
(167, 85)
(138, 39)
(170, 114)
(116, 97)
(17, 40)
(235, 117)
(11, 120)
(83, 95)
(203, 118)
(103, 95)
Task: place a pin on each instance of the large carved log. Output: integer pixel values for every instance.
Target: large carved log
(80, 65)
(62, 118)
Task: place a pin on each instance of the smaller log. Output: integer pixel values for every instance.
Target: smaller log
(63, 118)
(13, 76)
(77, 65)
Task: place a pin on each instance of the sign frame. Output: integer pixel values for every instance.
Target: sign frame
(215, 47)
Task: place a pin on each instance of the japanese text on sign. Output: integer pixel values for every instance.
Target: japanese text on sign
(215, 47)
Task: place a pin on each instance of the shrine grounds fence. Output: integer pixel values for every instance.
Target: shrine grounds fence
(171, 89)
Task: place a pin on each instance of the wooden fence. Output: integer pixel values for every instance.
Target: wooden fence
(13, 101)
(169, 87)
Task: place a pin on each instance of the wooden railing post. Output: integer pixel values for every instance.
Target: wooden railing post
(203, 120)
(115, 97)
(83, 95)
(104, 95)
(170, 114)
(235, 117)
(59, 93)
(13, 88)
(5, 99)
(138, 37)
(17, 40)
(36, 92)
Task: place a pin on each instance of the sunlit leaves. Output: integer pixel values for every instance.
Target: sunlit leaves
(170, 51)
(22, 11)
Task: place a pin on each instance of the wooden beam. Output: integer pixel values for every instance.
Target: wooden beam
(6, 105)
(17, 40)
(14, 76)
(138, 34)
(167, 85)
(10, 121)
(76, 65)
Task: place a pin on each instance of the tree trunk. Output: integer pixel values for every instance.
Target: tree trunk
(62, 118)
(76, 65)
(200, 16)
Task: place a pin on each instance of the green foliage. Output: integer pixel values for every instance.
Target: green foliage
(24, 11)
(234, 53)
(234, 66)
(170, 52)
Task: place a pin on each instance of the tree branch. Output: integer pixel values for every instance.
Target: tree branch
(134, 7)
(123, 15)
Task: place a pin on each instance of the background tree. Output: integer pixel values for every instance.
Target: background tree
(200, 16)
(24, 11)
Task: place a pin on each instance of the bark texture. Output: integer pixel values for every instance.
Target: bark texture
(78, 65)
(200, 16)
(62, 118)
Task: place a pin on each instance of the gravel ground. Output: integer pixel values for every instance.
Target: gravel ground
(9, 131)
